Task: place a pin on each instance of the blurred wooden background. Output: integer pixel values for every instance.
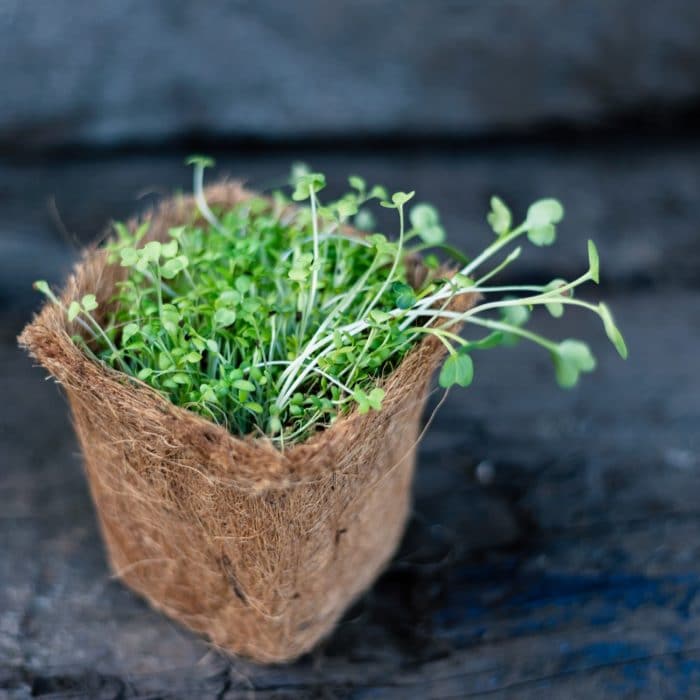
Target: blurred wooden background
(553, 548)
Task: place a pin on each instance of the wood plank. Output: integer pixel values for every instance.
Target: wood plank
(635, 200)
(567, 569)
(105, 73)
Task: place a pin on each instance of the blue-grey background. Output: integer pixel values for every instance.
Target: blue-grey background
(595, 101)
(553, 550)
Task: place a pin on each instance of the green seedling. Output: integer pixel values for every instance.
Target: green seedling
(272, 317)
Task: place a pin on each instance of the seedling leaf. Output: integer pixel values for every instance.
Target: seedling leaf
(499, 217)
(357, 183)
(364, 220)
(612, 331)
(169, 249)
(225, 317)
(593, 262)
(279, 303)
(243, 385)
(379, 317)
(171, 268)
(129, 256)
(43, 287)
(423, 216)
(555, 308)
(404, 296)
(542, 235)
(308, 183)
(398, 199)
(73, 310)
(516, 315)
(457, 369)
(570, 359)
(544, 212)
(89, 302)
(201, 161)
(129, 331)
(152, 250)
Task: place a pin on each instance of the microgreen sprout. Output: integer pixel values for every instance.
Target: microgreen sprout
(276, 316)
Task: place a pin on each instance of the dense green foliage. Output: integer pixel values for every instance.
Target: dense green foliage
(273, 317)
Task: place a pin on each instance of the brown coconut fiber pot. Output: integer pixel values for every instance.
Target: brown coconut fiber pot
(260, 550)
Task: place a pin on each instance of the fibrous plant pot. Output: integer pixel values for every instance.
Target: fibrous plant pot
(260, 550)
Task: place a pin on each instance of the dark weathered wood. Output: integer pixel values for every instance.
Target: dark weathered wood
(553, 551)
(635, 200)
(104, 72)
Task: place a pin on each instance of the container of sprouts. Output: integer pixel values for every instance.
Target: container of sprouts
(247, 375)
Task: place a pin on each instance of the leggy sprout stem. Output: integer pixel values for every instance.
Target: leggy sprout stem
(324, 345)
(545, 298)
(109, 342)
(288, 375)
(456, 254)
(328, 236)
(470, 267)
(159, 281)
(492, 249)
(392, 272)
(456, 317)
(516, 330)
(314, 267)
(95, 331)
(200, 199)
(85, 326)
(506, 261)
(440, 333)
(540, 298)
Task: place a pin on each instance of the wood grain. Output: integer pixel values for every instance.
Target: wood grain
(553, 549)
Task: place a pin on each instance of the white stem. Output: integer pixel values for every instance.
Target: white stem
(513, 255)
(314, 266)
(470, 267)
(201, 201)
(326, 237)
(288, 374)
(489, 252)
(468, 316)
(389, 277)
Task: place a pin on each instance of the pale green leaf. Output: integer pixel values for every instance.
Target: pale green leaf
(457, 369)
(544, 212)
(224, 317)
(499, 217)
(73, 310)
(89, 302)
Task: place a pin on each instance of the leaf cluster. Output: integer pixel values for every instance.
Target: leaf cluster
(270, 318)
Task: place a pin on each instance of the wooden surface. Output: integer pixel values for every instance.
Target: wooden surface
(553, 549)
(108, 72)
